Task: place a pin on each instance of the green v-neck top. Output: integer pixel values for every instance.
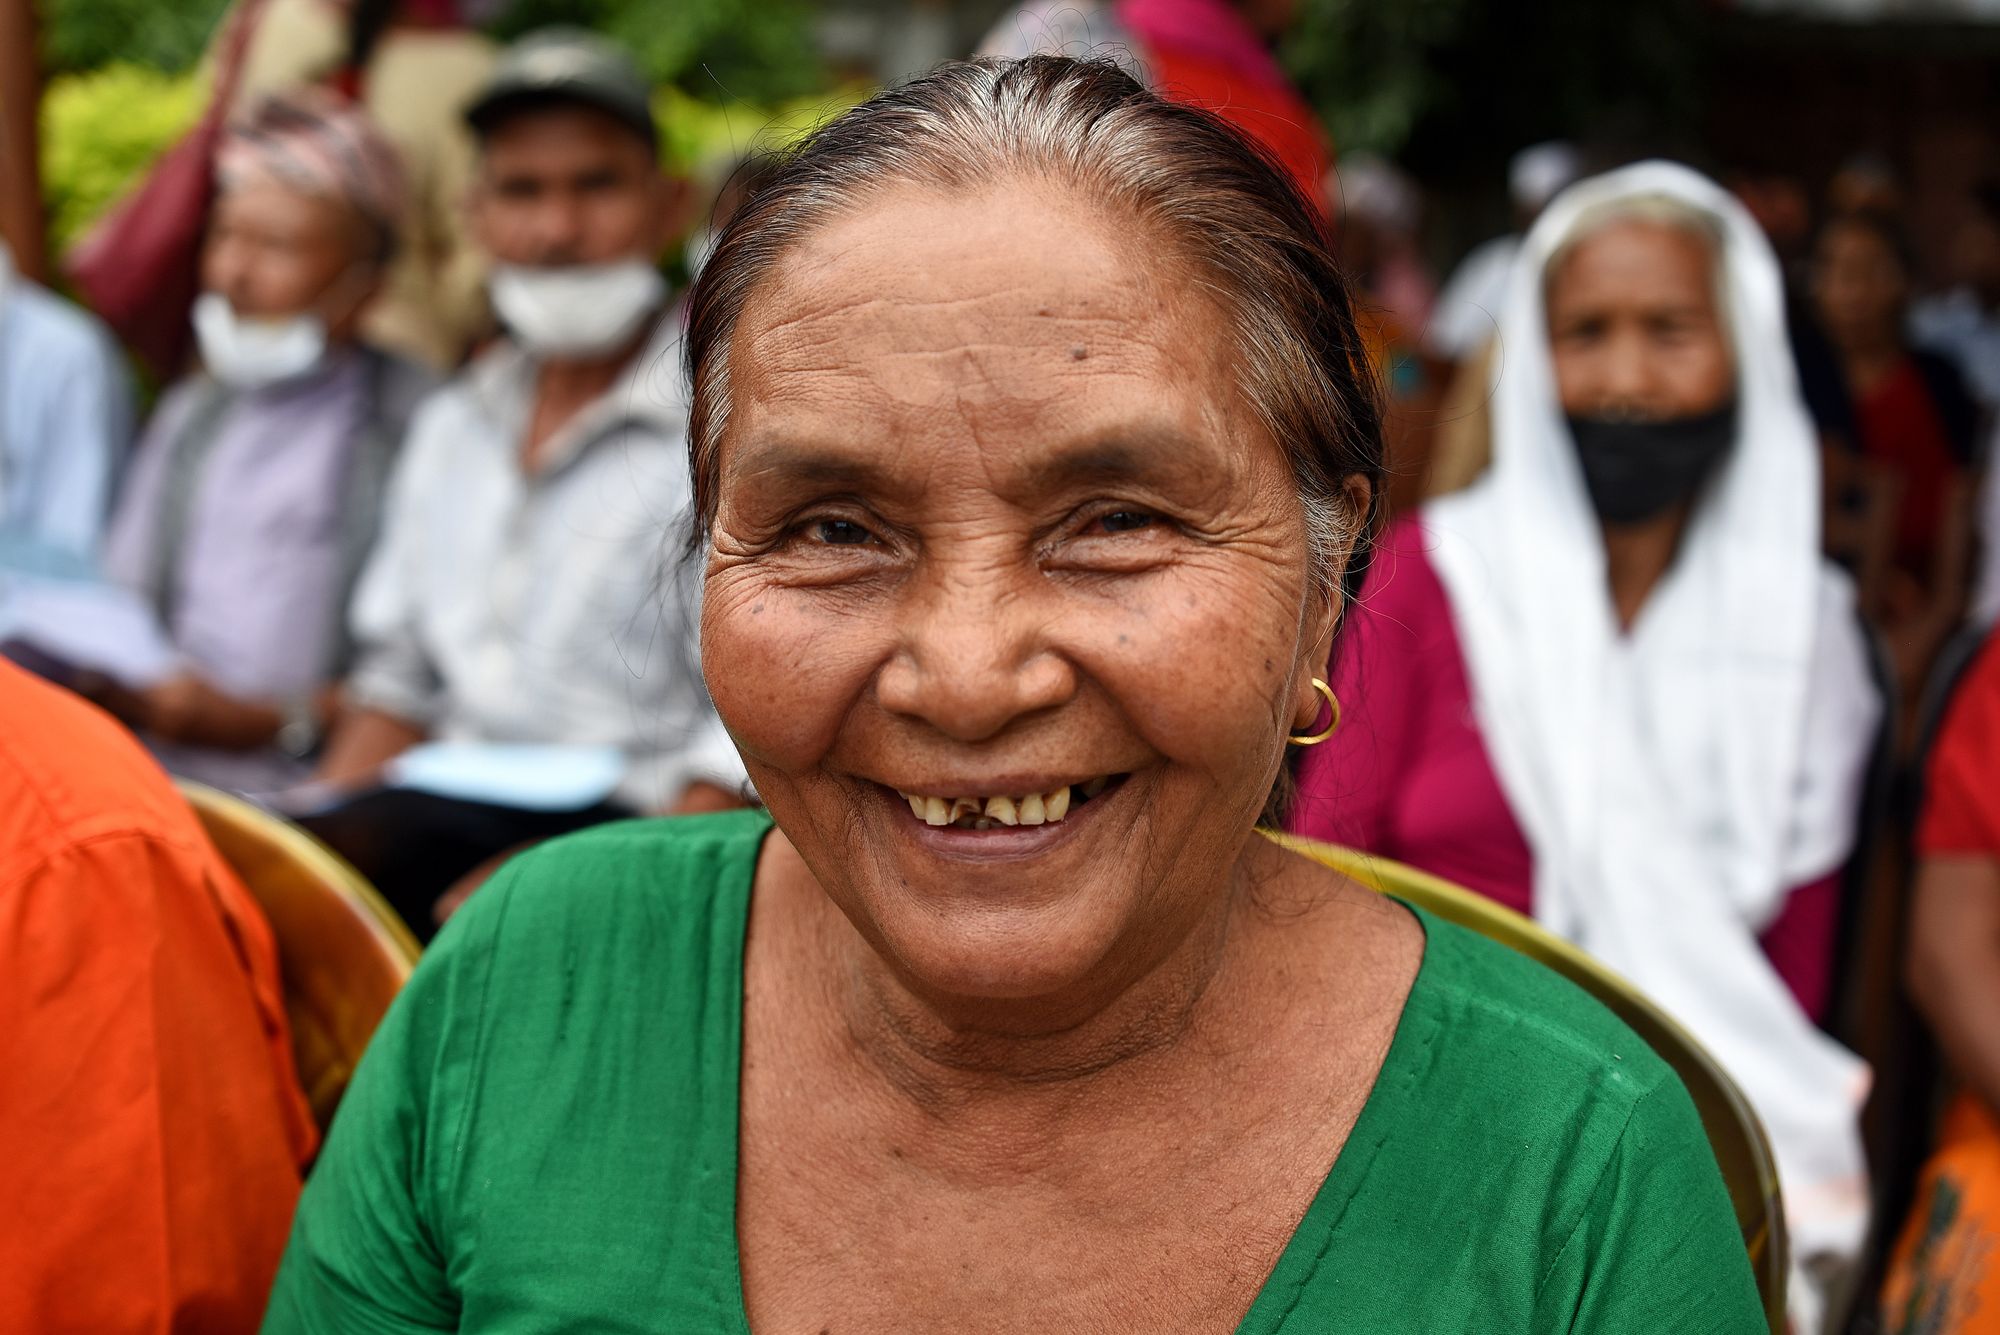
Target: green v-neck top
(542, 1135)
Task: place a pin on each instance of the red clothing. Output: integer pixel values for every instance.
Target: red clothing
(1408, 775)
(1962, 789)
(1205, 54)
(154, 1132)
(1902, 429)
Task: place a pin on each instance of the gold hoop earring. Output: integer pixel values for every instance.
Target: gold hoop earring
(1332, 724)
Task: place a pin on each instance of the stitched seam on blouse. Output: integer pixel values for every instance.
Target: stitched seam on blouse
(1418, 1069)
(454, 1154)
(1590, 1197)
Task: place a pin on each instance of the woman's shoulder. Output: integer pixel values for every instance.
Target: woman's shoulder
(1479, 988)
(1551, 1109)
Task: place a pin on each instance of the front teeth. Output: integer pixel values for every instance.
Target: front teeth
(975, 813)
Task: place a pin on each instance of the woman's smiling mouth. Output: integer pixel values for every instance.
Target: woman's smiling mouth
(1000, 810)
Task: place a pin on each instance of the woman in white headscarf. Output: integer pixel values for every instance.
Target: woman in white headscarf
(1614, 684)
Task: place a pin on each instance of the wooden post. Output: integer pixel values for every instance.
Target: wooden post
(21, 220)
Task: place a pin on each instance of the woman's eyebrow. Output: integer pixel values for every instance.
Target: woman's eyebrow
(1157, 454)
(795, 461)
(1153, 453)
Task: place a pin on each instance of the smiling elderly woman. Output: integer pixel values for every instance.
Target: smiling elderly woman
(1032, 460)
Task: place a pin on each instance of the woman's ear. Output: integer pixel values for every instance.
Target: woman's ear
(1324, 618)
(1327, 614)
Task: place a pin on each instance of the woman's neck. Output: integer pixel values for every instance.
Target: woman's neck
(943, 1053)
(565, 388)
(1636, 558)
(1866, 360)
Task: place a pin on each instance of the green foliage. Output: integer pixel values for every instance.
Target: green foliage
(701, 137)
(167, 35)
(719, 50)
(1368, 66)
(1469, 80)
(100, 131)
(734, 76)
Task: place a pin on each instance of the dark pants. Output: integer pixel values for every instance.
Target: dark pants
(412, 846)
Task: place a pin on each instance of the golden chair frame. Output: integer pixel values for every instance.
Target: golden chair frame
(342, 951)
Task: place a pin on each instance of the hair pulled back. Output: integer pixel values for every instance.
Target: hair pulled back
(1229, 217)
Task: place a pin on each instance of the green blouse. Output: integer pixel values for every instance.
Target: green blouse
(543, 1135)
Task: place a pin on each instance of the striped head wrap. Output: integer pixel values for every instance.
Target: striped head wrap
(310, 141)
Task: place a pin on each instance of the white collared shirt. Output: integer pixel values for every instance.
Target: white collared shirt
(552, 607)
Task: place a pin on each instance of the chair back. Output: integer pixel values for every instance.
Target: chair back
(342, 952)
(1735, 1134)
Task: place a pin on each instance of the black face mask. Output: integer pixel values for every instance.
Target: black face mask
(1637, 471)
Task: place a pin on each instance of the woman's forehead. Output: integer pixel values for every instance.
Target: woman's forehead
(913, 265)
(1635, 259)
(1001, 313)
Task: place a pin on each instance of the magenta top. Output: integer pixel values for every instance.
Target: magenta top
(1408, 776)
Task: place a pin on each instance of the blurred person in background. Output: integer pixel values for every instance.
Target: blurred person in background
(414, 66)
(1216, 54)
(1945, 1276)
(1614, 684)
(1465, 319)
(1963, 322)
(1379, 211)
(254, 499)
(154, 1129)
(1915, 424)
(1467, 314)
(517, 595)
(65, 426)
(1865, 183)
(1080, 29)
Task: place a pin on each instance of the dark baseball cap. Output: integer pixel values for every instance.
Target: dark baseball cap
(566, 65)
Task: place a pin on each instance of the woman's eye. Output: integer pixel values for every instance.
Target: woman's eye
(1125, 521)
(841, 532)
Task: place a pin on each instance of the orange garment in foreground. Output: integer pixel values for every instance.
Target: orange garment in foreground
(152, 1133)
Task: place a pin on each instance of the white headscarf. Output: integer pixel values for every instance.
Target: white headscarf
(1676, 782)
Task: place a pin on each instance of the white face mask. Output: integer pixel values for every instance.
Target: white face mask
(576, 311)
(248, 354)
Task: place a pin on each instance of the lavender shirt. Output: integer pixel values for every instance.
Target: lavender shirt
(260, 570)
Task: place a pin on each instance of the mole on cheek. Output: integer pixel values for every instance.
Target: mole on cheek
(1078, 353)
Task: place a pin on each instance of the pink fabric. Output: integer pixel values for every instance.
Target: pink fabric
(1210, 29)
(1204, 53)
(1408, 775)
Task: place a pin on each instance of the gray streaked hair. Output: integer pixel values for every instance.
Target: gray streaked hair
(1227, 214)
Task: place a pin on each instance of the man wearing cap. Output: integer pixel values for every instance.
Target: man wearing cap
(253, 498)
(524, 593)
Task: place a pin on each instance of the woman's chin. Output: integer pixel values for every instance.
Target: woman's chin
(1000, 952)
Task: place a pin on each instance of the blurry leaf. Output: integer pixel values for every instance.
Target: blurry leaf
(166, 35)
(719, 50)
(100, 131)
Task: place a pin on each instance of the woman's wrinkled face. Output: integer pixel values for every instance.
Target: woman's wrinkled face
(1634, 327)
(1008, 606)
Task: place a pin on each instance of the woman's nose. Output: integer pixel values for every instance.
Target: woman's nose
(1629, 384)
(557, 229)
(973, 660)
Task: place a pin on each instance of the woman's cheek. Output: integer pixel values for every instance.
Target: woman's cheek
(783, 667)
(1199, 666)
